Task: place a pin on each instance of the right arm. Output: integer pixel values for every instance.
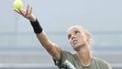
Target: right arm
(52, 48)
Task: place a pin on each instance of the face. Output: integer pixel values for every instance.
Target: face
(77, 37)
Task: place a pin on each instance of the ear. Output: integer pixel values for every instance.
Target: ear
(88, 36)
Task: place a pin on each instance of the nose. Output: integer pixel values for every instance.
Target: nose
(73, 36)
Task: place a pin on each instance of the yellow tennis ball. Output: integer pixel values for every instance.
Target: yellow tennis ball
(18, 4)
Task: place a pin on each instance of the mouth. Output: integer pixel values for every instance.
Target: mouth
(74, 41)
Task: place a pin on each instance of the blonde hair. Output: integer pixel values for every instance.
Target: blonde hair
(79, 26)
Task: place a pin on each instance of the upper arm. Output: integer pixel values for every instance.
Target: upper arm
(55, 51)
(52, 48)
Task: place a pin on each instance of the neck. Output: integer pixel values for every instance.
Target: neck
(84, 55)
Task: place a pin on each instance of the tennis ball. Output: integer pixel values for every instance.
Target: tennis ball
(18, 4)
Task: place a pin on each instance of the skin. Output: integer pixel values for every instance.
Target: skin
(77, 36)
(80, 41)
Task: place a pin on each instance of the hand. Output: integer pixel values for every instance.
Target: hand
(26, 13)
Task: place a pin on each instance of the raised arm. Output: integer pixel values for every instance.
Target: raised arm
(52, 48)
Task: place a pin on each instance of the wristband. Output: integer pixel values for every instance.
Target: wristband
(36, 26)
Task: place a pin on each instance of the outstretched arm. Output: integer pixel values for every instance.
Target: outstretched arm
(50, 46)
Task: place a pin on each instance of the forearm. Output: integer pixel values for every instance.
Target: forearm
(40, 34)
(46, 43)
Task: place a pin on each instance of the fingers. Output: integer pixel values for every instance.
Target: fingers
(26, 13)
(21, 12)
(17, 11)
(28, 10)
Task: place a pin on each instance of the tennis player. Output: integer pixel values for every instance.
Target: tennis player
(79, 39)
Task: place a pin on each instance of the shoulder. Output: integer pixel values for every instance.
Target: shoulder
(66, 53)
(102, 63)
(65, 56)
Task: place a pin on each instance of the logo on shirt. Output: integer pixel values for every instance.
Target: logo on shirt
(69, 65)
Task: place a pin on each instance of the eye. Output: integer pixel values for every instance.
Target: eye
(69, 36)
(76, 32)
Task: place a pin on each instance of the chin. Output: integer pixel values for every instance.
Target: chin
(78, 47)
